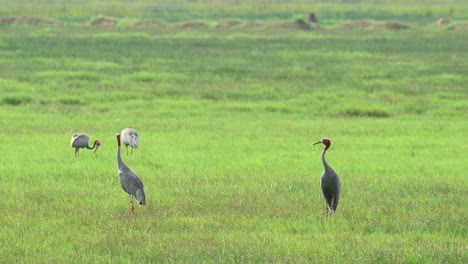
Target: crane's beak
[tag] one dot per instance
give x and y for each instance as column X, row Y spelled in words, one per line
column 97, row 146
column 318, row 142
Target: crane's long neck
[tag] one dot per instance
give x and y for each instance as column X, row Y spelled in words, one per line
column 120, row 163
column 88, row 147
column 325, row 164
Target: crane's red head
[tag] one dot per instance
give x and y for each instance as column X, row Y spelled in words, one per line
column 97, row 144
column 118, row 139
column 325, row 141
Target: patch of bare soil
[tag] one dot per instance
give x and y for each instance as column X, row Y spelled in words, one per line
column 459, row 27
column 29, row 20
column 227, row 23
column 370, row 25
column 395, row 26
column 192, row 24
column 102, row 22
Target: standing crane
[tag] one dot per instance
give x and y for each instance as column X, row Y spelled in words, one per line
column 329, row 181
column 130, row 182
column 130, row 138
column 81, row 141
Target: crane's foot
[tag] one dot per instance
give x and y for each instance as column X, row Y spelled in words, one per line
column 132, row 207
column 329, row 210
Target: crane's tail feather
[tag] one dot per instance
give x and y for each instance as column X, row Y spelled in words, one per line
column 134, row 141
column 334, row 204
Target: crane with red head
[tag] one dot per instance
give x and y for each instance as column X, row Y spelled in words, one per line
column 330, row 182
column 129, row 181
column 81, row 140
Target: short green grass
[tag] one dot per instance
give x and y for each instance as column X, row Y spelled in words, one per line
column 227, row 121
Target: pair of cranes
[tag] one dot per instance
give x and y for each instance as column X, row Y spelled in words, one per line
column 129, row 181
column 129, row 138
column 132, row 184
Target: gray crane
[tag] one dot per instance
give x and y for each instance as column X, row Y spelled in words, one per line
column 130, row 182
column 130, row 138
column 81, row 140
column 329, row 181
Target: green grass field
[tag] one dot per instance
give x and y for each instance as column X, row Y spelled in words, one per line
column 227, row 118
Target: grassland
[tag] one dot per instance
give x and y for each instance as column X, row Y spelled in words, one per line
column 227, row 118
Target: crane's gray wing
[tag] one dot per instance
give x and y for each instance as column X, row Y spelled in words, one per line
column 130, row 181
column 130, row 137
column 79, row 140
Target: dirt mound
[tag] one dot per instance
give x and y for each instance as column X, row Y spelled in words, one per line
column 102, row 22
column 459, row 27
column 29, row 20
column 395, row 26
column 442, row 22
column 229, row 23
column 192, row 24
column 369, row 25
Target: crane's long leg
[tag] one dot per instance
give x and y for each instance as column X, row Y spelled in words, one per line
column 331, row 206
column 132, row 208
column 76, row 152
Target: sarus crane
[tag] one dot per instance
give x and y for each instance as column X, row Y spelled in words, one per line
column 130, row 182
column 81, row 141
column 330, row 182
column 130, row 138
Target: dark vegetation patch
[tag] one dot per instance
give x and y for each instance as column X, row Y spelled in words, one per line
column 373, row 112
column 16, row 100
column 69, row 101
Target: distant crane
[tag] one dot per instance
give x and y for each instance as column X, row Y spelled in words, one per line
column 81, row 141
column 130, row 138
column 329, row 181
column 130, row 182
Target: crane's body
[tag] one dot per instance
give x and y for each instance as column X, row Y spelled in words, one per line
column 81, row 140
column 129, row 181
column 330, row 182
column 130, row 138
